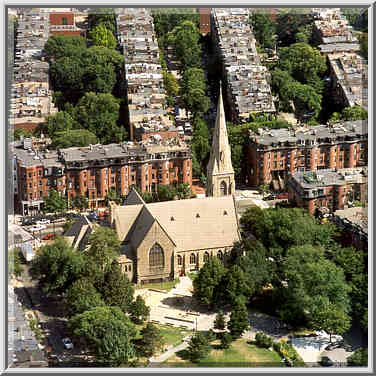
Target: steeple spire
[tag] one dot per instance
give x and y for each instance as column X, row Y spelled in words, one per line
column 220, row 174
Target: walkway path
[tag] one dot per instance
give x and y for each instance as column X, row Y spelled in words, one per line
column 162, row 357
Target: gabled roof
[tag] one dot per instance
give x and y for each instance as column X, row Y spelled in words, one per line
column 190, row 224
column 134, row 198
column 79, row 231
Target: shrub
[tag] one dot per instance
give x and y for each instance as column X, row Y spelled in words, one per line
column 288, row 352
column 262, row 340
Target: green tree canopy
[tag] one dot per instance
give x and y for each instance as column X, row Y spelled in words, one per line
column 220, row 322
column 80, row 202
column 99, row 114
column 102, row 16
column 207, row 281
column 60, row 122
column 165, row 192
column 359, row 358
column 263, row 28
column 101, row 36
column 75, row 137
column 199, row 347
column 139, row 310
column 354, row 113
column 56, row 266
column 239, row 321
column 54, row 203
column 104, row 247
column 82, row 296
column 117, row 290
column 108, row 333
column 185, row 40
column 150, row 342
column 288, row 23
column 58, row 46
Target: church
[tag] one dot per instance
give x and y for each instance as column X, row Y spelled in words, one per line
column 164, row 240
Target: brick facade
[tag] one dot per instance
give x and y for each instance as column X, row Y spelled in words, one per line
column 277, row 158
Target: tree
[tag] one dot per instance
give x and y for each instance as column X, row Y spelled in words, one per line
column 303, row 62
column 239, row 321
column 313, row 283
column 54, row 203
column 220, row 322
column 20, row 132
column 60, row 122
column 99, row 114
column 139, row 310
column 193, row 88
column 359, row 358
column 288, row 24
column 354, row 113
column 104, row 247
column 263, row 29
column 150, row 342
column 207, row 280
column 75, row 137
column 258, row 270
column 233, row 284
column 112, row 195
column 165, row 192
column 82, row 296
column 363, row 41
column 108, row 333
column 329, row 317
column 58, row 46
column 183, row 191
column 101, row 36
column 14, row 264
column 199, row 347
column 185, row 40
column 226, row 340
column 117, row 290
column 56, row 266
column 80, row 202
column 170, row 82
column 102, row 16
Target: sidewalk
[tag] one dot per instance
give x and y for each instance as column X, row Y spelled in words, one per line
column 162, row 357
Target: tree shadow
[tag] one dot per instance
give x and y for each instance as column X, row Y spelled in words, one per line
column 23, row 298
column 183, row 354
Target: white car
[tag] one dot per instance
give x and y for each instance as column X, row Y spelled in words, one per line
column 37, row 228
column 43, row 222
column 67, row 343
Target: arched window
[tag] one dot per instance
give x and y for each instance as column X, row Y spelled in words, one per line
column 180, row 260
column 206, row 257
column 192, row 259
column 125, row 268
column 156, row 257
column 223, row 188
column 220, row 255
column 129, row 268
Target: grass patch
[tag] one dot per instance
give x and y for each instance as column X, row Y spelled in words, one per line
column 168, row 285
column 240, row 354
column 192, row 276
column 171, row 335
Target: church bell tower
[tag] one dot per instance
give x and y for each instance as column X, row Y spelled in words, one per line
column 220, row 174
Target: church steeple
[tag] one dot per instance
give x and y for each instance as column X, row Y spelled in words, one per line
column 220, row 174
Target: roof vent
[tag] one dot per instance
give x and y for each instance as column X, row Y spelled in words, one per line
column 172, row 219
column 225, row 212
column 197, row 215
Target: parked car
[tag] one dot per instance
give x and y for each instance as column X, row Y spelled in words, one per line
column 283, row 196
column 67, row 343
column 43, row 221
column 37, row 228
column 48, row 236
column 270, row 197
column 28, row 222
column 326, row 361
column 332, row 346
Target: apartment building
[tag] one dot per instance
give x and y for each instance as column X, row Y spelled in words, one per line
column 328, row 190
column 353, row 223
column 204, row 21
column 64, row 23
column 274, row 154
column 92, row 171
column 348, row 70
column 31, row 99
column 246, row 80
column 145, row 92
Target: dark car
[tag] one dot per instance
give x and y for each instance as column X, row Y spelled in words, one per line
column 270, row 197
column 28, row 222
column 326, row 361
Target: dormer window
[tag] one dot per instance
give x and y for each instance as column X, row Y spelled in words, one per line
column 225, row 212
column 172, row 219
column 197, row 215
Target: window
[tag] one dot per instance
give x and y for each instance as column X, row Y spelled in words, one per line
column 125, row 268
column 132, row 178
column 220, row 255
column 112, row 180
column 206, row 257
column 129, row 268
column 180, row 260
column 39, row 172
column 156, row 257
column 40, row 194
column 40, row 182
column 30, row 175
column 275, row 164
column 64, row 21
column 192, row 258
column 223, row 188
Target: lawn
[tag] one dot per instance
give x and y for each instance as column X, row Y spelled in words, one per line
column 172, row 336
column 240, row 354
column 168, row 285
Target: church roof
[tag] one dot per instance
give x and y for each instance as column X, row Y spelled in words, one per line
column 191, row 224
column 134, row 198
